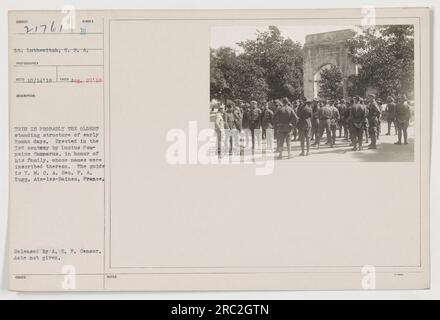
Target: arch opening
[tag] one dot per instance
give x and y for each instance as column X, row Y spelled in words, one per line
column 317, row 78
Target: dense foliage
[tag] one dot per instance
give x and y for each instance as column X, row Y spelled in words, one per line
column 268, row 67
column 385, row 55
column 330, row 84
column 271, row 66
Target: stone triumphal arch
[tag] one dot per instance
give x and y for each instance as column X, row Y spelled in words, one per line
column 322, row 50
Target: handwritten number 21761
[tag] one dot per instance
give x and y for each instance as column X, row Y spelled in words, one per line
column 43, row 28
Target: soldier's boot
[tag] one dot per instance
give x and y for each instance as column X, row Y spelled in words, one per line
column 317, row 142
column 399, row 137
column 354, row 144
column 372, row 145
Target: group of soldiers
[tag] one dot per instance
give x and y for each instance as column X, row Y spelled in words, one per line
column 307, row 120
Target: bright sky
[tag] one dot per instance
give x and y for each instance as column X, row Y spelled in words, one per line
column 229, row 36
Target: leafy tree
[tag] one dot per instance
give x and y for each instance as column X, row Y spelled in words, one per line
column 223, row 64
column 330, row 84
column 249, row 80
column 385, row 55
column 280, row 59
column 234, row 76
column 355, row 87
column 270, row 66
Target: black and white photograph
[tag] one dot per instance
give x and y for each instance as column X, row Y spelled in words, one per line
column 228, row 152
column 327, row 93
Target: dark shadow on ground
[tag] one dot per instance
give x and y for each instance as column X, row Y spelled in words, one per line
column 385, row 152
column 388, row 152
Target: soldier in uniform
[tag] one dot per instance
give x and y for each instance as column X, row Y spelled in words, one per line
column 239, row 105
column 276, row 105
column 305, row 114
column 284, row 120
column 391, row 115
column 403, row 115
column 219, row 128
column 295, row 132
column 325, row 115
column 349, row 121
column 335, row 121
column 231, row 123
column 342, row 108
column 379, row 119
column 373, row 120
column 292, row 105
column 358, row 116
column 245, row 122
column 315, row 120
column 266, row 120
column 366, row 126
column 238, row 115
column 254, row 117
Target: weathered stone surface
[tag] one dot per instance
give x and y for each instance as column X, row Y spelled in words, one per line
column 322, row 50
